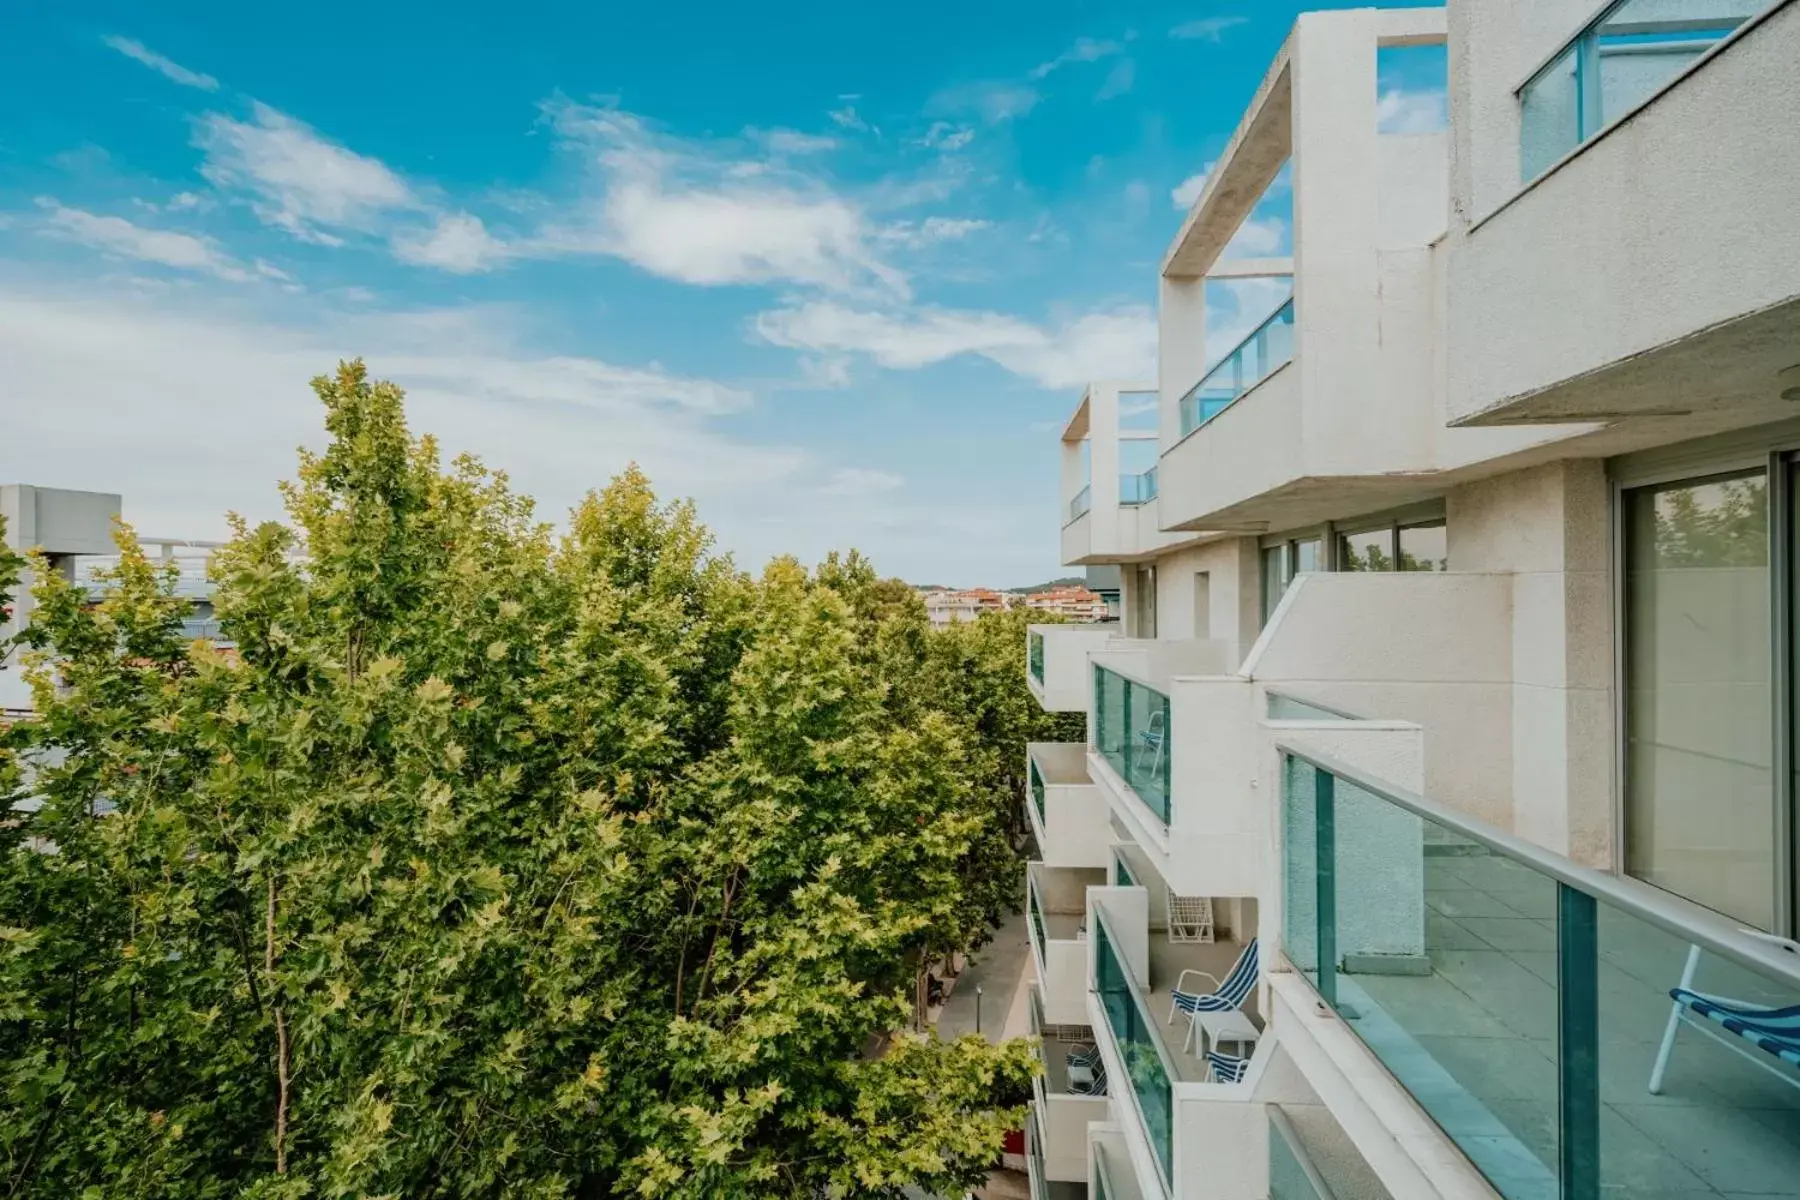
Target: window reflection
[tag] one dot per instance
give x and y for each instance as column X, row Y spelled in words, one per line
column 1699, row 795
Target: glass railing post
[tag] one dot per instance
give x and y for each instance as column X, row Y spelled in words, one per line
column 1578, row 1042
column 1325, row 906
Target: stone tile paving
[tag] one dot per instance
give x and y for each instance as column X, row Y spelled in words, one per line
column 1476, row 1042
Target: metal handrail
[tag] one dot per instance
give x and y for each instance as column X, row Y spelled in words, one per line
column 1279, row 1120
column 1664, row 910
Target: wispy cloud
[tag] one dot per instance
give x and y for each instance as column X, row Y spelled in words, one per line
column 847, row 118
column 1118, row 80
column 1084, row 50
column 1207, row 29
column 861, row 481
column 791, row 141
column 167, row 67
column 1106, row 344
column 1400, row 110
column 947, row 137
column 116, row 235
column 993, row 100
column 297, row 179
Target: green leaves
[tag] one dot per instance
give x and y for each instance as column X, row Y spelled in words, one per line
column 491, row 863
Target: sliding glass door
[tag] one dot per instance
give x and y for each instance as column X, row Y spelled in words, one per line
column 1705, row 813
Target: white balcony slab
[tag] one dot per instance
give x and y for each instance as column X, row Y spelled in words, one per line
column 1071, row 827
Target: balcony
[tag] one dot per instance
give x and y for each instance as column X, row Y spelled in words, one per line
column 1056, row 662
column 1109, row 478
column 1525, row 1002
column 1268, row 348
column 1176, row 1114
column 1621, row 280
column 1062, row 1114
column 1068, row 816
column 1112, row 1177
column 1056, row 917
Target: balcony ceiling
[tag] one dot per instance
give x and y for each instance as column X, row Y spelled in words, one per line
column 1726, row 377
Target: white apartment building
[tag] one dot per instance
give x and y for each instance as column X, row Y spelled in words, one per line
column 1453, row 712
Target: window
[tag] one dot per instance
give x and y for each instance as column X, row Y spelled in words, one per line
column 1202, row 604
column 1144, row 602
column 1275, row 577
column 1702, row 818
column 1425, row 547
column 1417, row 546
column 1614, row 65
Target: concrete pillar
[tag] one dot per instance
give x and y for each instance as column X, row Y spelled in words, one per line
column 1180, row 349
column 1336, row 181
column 1548, row 527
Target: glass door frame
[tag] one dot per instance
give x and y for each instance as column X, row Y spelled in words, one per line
column 1777, row 457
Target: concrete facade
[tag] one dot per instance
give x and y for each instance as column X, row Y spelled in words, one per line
column 1498, row 360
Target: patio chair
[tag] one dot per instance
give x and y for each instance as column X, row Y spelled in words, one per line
column 1087, row 1071
column 1735, row 1024
column 1151, row 751
column 1226, row 1068
column 1218, row 1012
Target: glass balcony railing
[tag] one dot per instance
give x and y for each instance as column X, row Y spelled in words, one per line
column 1122, row 876
column 1131, row 732
column 1037, row 791
column 1134, row 1032
column 1270, row 345
column 1292, row 1175
column 1138, row 489
column 1034, row 655
column 1084, row 500
column 1576, row 1034
column 1612, row 66
column 1034, row 918
column 1283, row 707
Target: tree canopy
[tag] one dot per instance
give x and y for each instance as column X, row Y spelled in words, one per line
column 496, row 862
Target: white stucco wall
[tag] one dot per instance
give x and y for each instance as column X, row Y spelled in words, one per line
column 1230, row 566
column 1548, row 528
column 1671, row 222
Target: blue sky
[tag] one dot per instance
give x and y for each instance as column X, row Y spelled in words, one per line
column 837, row 273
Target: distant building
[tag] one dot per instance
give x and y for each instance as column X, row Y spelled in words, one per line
column 1075, row 602
column 947, row 606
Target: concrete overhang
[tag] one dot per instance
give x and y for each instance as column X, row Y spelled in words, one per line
column 1732, row 375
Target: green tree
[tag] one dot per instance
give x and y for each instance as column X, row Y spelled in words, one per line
column 488, row 863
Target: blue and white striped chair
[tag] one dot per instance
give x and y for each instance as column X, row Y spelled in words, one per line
column 1220, row 1011
column 1226, row 1068
column 1734, row 1024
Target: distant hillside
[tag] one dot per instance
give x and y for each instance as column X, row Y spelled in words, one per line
column 1066, row 581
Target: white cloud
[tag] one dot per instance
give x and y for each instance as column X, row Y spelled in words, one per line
column 825, row 372
column 1118, row 80
column 792, row 141
column 298, row 180
column 115, row 235
column 459, row 243
column 1188, row 190
column 1109, row 344
column 85, row 358
column 700, row 213
column 1258, row 237
column 947, row 137
column 933, row 230
column 1083, row 50
column 846, row 118
column 1399, row 110
column 166, row 66
column 861, row 481
column 994, row 100
column 1207, row 29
